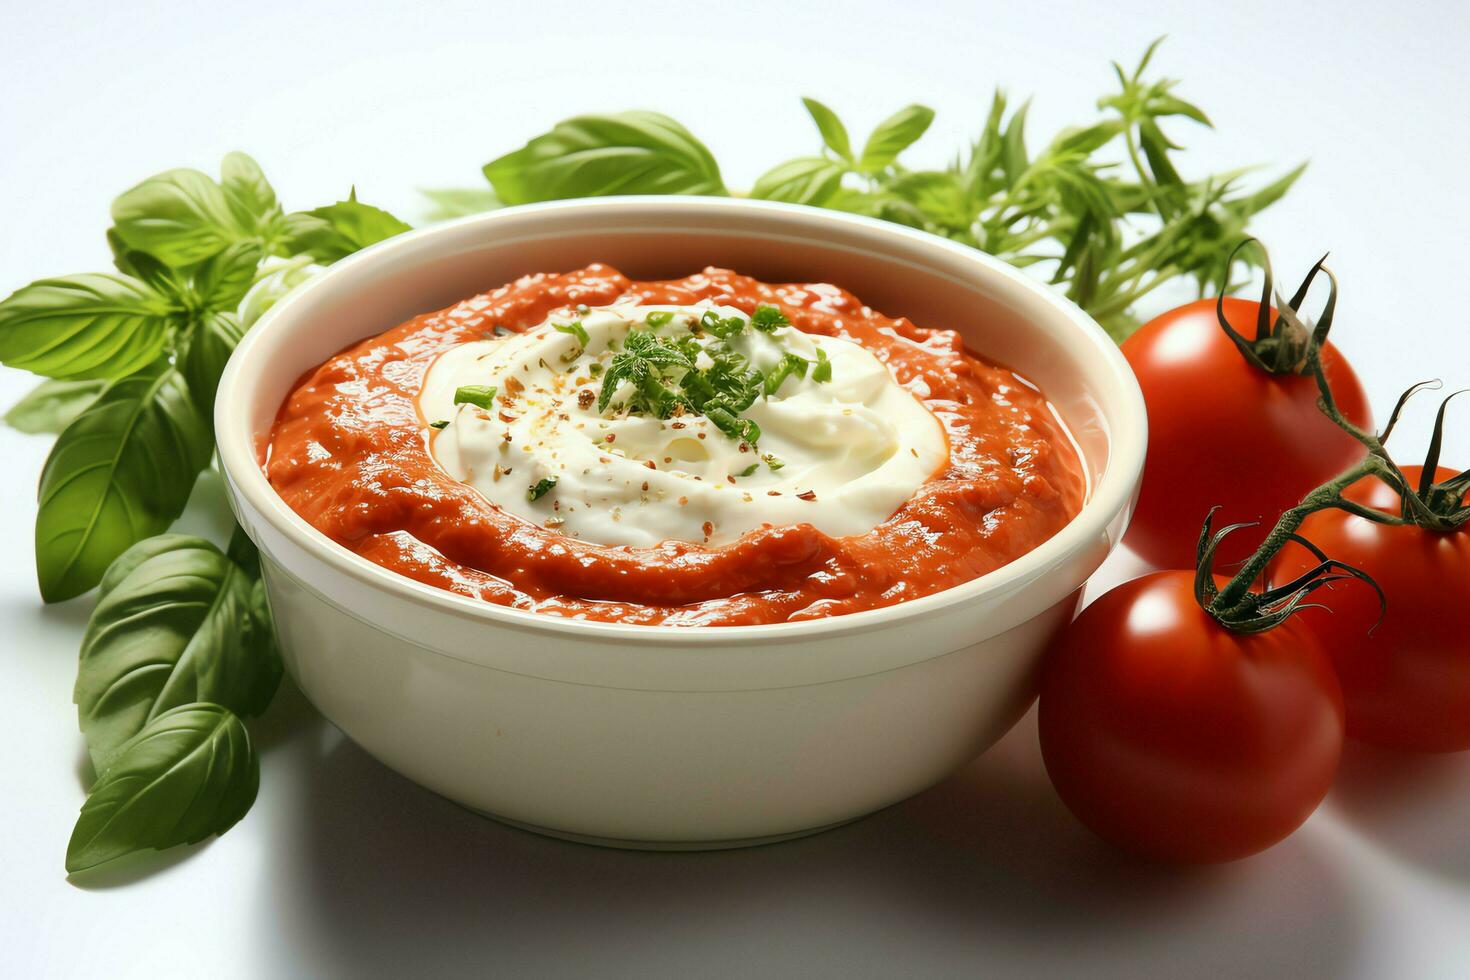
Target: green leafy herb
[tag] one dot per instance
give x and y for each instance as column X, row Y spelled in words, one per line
column 179, row 623
column 576, row 329
column 788, row 365
column 768, row 318
column 191, row 772
column 822, row 373
column 834, row 134
column 773, row 463
column 894, row 135
column 138, row 355
column 595, row 156
column 93, row 325
column 541, row 488
column 51, row 405
column 805, row 180
column 440, row 424
column 481, row 395
column 458, row 202
column 749, row 470
column 723, row 327
column 180, row 217
column 122, row 470
column 210, row 343
column 1102, row 209
column 337, row 230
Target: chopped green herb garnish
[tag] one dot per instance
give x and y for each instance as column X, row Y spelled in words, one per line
column 732, row 425
column 481, row 395
column 788, row 365
column 659, row 318
column 673, row 375
column 774, row 462
column 594, row 369
column 750, row 469
column 541, row 488
column 576, row 329
column 722, row 327
column 823, row 370
column 442, row 423
column 768, row 318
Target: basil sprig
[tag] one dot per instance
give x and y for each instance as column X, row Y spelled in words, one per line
column 192, row 255
column 180, row 646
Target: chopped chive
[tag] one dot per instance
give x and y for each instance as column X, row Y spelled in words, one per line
column 773, row 461
column 439, row 424
column 750, row 469
column 594, row 369
column 788, row 365
column 481, row 395
column 823, row 370
column 541, row 489
column 576, row 329
column 658, row 318
column 768, row 318
column 722, row 327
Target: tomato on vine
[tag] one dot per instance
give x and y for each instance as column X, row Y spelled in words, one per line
column 1406, row 682
column 1187, row 731
column 1233, row 419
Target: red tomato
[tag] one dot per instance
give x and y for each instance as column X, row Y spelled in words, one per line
column 1224, row 432
column 1407, row 683
column 1173, row 737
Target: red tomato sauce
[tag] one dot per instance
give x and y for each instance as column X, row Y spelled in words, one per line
column 349, row 453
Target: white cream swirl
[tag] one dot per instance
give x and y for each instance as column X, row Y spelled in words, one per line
column 841, row 455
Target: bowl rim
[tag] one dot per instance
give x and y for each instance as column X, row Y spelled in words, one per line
column 1111, row 494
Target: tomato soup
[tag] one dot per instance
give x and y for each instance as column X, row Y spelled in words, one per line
column 708, row 451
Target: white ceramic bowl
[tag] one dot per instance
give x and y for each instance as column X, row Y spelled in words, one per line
column 676, row 736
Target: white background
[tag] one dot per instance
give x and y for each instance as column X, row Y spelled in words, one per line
column 345, row 869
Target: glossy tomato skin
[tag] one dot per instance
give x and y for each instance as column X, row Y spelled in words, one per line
column 1222, row 431
column 1407, row 682
column 1174, row 738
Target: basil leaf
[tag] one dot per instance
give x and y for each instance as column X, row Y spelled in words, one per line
column 894, row 135
column 805, row 180
column 337, row 230
column 220, row 282
column 210, row 342
column 593, row 156
column 190, row 773
column 93, row 325
column 251, row 198
column 180, row 217
column 834, row 134
column 124, row 564
column 180, row 625
column 456, row 202
column 121, row 471
column 49, row 406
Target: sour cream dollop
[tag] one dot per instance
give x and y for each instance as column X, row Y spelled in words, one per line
column 841, row 455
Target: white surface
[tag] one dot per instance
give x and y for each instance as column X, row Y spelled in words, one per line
column 344, row 869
